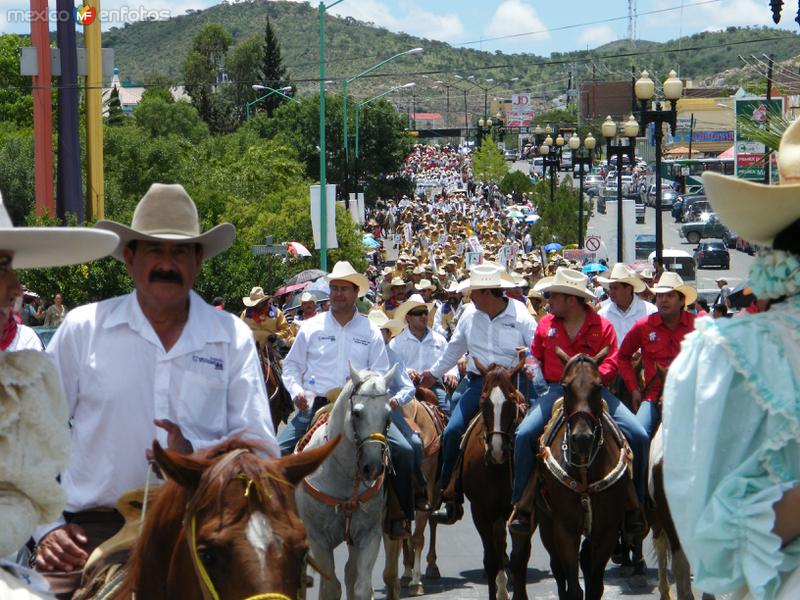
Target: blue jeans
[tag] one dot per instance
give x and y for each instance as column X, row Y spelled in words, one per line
column 649, row 416
column 457, row 393
column 294, row 430
column 526, row 443
column 402, row 454
column 441, row 398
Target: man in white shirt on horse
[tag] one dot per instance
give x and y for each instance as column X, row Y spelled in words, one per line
column 624, row 306
column 158, row 363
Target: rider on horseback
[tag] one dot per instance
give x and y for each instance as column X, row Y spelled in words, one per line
column 266, row 320
column 624, row 306
column 659, row 338
column 574, row 327
column 492, row 329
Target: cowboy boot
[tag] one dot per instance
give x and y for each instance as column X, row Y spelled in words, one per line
column 524, row 514
column 453, row 507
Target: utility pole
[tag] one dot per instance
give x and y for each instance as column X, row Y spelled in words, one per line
column 768, row 154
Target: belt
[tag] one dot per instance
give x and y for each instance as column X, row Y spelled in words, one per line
column 94, row 515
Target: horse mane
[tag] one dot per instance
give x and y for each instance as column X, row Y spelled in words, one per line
column 163, row 526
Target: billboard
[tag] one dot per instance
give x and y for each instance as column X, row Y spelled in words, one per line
column 521, row 111
column 748, row 153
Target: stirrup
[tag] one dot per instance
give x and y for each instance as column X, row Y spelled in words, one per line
column 450, row 513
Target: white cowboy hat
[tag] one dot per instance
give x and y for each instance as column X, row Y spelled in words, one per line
column 307, row 297
column 565, row 281
column 344, row 271
column 397, row 282
column 622, row 273
column 424, row 284
column 415, row 301
column 671, row 281
column 256, row 297
column 453, row 288
column 36, row 247
column 758, row 212
column 166, row 213
column 381, row 321
column 486, row 276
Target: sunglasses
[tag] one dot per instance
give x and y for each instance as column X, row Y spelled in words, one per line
column 418, row 313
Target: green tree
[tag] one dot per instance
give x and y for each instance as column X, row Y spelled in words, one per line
column 202, row 65
column 243, row 65
column 16, row 102
column 17, row 171
column 161, row 118
column 516, row 183
column 115, row 115
column 559, row 217
column 157, row 86
column 273, row 72
column 488, row 163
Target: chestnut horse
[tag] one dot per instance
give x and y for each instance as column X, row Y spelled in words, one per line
column 223, row 526
column 487, row 476
column 585, row 481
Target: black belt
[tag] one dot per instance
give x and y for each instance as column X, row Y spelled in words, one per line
column 96, row 515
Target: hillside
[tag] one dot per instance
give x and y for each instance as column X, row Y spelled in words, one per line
column 158, row 47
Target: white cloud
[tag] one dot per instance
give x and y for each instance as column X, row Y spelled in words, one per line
column 514, row 17
column 717, row 15
column 412, row 19
column 597, row 36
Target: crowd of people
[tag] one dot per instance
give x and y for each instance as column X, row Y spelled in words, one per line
column 466, row 289
column 448, row 167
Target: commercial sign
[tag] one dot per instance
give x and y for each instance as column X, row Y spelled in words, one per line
column 521, row 111
column 684, row 136
column 749, row 153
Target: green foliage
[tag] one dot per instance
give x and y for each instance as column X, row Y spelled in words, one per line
column 243, row 65
column 201, row 67
column 559, row 217
column 771, row 136
column 488, row 163
column 16, row 171
column 16, row 102
column 115, row 115
column 161, row 118
column 157, row 87
column 273, row 72
column 516, row 183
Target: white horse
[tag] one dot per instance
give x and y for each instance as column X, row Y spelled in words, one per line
column 344, row 500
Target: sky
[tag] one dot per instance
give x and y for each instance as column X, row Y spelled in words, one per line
column 509, row 26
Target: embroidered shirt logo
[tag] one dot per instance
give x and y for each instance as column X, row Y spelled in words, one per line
column 327, row 338
column 652, row 336
column 360, row 341
column 217, row 363
column 552, row 332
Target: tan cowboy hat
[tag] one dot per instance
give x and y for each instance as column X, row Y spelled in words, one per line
column 415, row 301
column 487, row 276
column 671, row 281
column 307, row 297
column 167, row 213
column 256, row 297
column 622, row 273
column 381, row 321
column 758, row 212
column 565, row 281
column 397, row 282
column 344, row 271
column 36, row 247
column 453, row 288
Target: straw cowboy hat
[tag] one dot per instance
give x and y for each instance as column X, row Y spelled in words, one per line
column 307, row 297
column 36, row 247
column 622, row 273
column 565, row 281
column 344, row 271
column 256, row 297
column 424, row 284
column 381, row 321
column 166, row 213
column 672, row 282
column 415, row 301
column 487, row 276
column 756, row 211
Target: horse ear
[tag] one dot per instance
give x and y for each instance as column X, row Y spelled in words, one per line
column 354, row 377
column 598, row 358
column 563, row 356
column 479, row 365
column 389, row 377
column 298, row 466
column 521, row 354
column 180, row 468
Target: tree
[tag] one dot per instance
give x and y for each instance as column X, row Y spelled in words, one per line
column 157, row 86
column 488, row 163
column 115, row 115
column 273, row 72
column 17, row 171
column 243, row 65
column 516, row 183
column 16, row 102
column 202, row 65
column 161, row 118
column 559, row 217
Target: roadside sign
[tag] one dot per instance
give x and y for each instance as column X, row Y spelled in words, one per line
column 269, row 248
column 749, row 154
column 592, row 243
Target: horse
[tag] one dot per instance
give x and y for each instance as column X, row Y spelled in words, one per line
column 584, row 482
column 280, row 400
column 486, row 477
column 223, row 526
column 423, row 411
column 344, row 500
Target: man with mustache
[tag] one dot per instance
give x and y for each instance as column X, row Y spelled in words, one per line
column 159, row 363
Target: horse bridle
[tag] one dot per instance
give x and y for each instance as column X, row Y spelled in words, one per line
column 597, row 439
column 190, row 527
column 373, row 438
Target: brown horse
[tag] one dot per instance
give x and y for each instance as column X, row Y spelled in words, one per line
column 280, row 400
column 223, row 526
column 487, row 476
column 585, row 484
column 424, row 413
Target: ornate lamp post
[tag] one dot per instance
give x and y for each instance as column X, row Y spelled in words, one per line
column 551, row 158
column 644, row 89
column 630, row 130
column 484, row 128
column 581, row 156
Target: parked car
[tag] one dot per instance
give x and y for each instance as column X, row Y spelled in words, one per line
column 712, row 253
column 730, row 237
column 694, row 189
column 679, row 261
column 644, row 244
column 667, row 198
column 711, row 227
column 694, row 211
column 537, row 166
column 510, row 155
column 592, row 184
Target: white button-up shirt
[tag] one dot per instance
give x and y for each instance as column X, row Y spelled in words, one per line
column 118, row 378
column 26, row 339
column 324, row 350
column 419, row 355
column 623, row 321
column 490, row 340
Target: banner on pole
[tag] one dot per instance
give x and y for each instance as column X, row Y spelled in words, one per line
column 749, row 154
column 330, row 197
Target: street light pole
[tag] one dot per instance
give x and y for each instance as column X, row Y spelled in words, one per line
column 630, row 130
column 645, row 89
column 279, row 92
column 589, row 145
